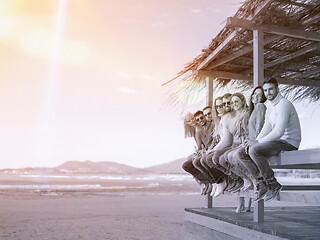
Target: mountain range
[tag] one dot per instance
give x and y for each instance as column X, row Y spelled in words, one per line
column 106, row 167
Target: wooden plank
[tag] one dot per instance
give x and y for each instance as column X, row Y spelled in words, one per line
column 289, row 32
column 301, row 188
column 227, row 228
column 305, row 197
column 209, row 201
column 240, row 53
column 222, row 74
column 209, row 89
column 225, row 43
column 258, row 60
column 259, row 9
column 258, row 211
column 300, row 157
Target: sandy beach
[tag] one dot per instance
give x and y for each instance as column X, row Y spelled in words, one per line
column 149, row 207
column 85, row 216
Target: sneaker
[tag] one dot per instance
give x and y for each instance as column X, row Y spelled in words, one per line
column 238, row 186
column 231, row 183
column 247, row 185
column 240, row 208
column 209, row 189
column 219, row 190
column 204, row 188
column 213, row 190
column 261, row 191
column 273, row 191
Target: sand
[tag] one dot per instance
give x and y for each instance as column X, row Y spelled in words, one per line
column 146, row 213
column 94, row 216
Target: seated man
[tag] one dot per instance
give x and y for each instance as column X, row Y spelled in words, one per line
column 203, row 139
column 280, row 132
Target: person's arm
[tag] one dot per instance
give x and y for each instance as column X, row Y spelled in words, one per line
column 198, row 140
column 260, row 109
column 226, row 140
column 281, row 123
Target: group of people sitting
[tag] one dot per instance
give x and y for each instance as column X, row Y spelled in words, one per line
column 235, row 139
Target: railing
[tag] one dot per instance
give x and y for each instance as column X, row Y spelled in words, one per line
column 300, row 159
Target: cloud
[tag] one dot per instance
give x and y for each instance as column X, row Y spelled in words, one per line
column 196, row 10
column 165, row 14
column 158, row 24
column 146, row 77
column 125, row 75
column 126, row 90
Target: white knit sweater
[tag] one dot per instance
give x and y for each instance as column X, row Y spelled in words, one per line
column 281, row 122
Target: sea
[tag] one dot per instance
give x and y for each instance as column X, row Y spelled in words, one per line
column 106, row 184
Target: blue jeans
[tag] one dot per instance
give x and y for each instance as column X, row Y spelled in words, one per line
column 189, row 167
column 261, row 152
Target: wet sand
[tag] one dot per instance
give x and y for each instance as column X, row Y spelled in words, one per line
column 98, row 216
column 141, row 209
column 94, row 216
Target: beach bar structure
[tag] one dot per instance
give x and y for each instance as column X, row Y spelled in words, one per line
column 265, row 38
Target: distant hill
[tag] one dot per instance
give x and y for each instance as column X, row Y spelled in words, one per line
column 170, row 167
column 106, row 167
column 96, row 167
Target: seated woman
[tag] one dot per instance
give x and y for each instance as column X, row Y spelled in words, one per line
column 216, row 176
column 257, row 111
column 236, row 131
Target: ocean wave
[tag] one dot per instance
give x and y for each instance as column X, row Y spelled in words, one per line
column 47, row 187
column 150, row 177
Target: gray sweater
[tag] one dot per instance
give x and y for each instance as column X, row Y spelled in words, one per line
column 281, row 122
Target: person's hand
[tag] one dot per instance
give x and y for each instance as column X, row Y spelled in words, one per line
column 248, row 144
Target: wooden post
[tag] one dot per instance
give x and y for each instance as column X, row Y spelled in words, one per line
column 209, row 102
column 209, row 88
column 258, row 78
column 258, row 61
column 258, row 211
column 209, row 205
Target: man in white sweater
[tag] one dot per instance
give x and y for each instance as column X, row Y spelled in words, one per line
column 280, row 132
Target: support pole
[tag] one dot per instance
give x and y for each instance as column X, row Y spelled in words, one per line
column 258, row 61
column 209, row 102
column 209, row 89
column 258, row 78
column 209, row 202
column 258, row 211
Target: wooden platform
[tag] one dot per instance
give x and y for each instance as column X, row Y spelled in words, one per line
column 301, row 223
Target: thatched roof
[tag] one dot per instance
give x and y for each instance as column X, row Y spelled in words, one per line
column 291, row 49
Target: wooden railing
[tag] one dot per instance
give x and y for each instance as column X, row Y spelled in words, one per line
column 300, row 159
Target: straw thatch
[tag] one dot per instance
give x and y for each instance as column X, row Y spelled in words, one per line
column 292, row 60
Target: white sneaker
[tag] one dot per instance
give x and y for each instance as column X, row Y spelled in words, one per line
column 220, row 188
column 214, row 188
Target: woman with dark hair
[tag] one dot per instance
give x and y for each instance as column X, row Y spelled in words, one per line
column 257, row 111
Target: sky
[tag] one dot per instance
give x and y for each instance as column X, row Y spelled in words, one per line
column 81, row 79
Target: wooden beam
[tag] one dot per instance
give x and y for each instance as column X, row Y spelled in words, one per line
column 289, row 32
column 225, row 75
column 258, row 211
column 239, row 53
column 209, row 91
column 306, row 156
column 260, row 8
column 289, row 57
column 258, row 60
